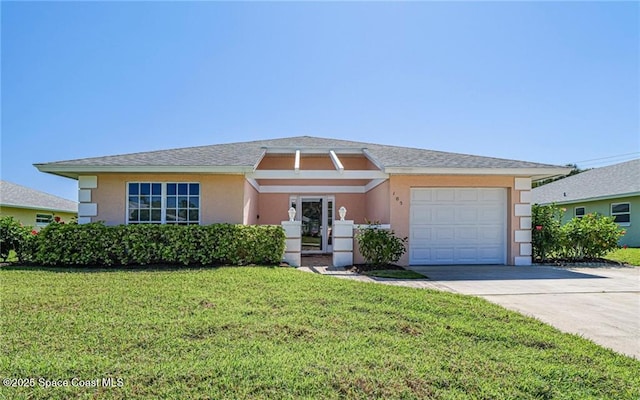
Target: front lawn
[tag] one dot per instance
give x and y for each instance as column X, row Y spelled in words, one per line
column 281, row 333
column 629, row 256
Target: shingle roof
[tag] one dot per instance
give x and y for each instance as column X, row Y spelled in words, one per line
column 248, row 154
column 13, row 195
column 606, row 182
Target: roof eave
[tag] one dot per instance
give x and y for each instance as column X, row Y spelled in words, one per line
column 37, row 208
column 595, row 198
column 73, row 171
column 534, row 173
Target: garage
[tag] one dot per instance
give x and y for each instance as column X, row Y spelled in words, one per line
column 458, row 226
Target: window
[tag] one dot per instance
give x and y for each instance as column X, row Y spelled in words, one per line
column 160, row 203
column 145, row 203
column 43, row 219
column 621, row 213
column 183, row 203
column 579, row 212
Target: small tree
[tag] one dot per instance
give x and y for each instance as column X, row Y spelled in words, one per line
column 380, row 246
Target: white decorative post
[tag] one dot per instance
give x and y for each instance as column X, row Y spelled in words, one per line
column 342, row 240
column 293, row 241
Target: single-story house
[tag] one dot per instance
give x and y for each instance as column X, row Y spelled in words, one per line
column 612, row 191
column 32, row 207
column 454, row 208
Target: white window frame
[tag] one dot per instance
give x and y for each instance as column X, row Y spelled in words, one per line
column 575, row 212
column 621, row 213
column 163, row 206
column 42, row 224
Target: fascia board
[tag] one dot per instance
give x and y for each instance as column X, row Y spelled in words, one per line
column 528, row 172
column 36, row 208
column 84, row 169
column 596, row 198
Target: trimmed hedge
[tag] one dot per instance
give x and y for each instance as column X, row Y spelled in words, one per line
column 98, row 245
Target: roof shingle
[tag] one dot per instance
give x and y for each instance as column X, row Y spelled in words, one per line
column 15, row 195
column 247, row 154
column 605, row 182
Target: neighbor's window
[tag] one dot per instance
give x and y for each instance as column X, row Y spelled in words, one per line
column 579, row 212
column 159, row 203
column 621, row 213
column 43, row 219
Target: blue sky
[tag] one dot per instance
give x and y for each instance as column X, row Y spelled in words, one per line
column 548, row 82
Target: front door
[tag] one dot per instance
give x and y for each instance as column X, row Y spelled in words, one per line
column 312, row 227
column 316, row 214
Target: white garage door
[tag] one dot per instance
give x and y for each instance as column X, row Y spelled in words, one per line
column 458, row 226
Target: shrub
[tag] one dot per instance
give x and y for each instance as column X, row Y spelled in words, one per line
column 98, row 245
column 590, row 237
column 380, row 246
column 546, row 236
column 14, row 236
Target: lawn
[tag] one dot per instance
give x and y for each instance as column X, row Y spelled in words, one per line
column 281, row 333
column 629, row 256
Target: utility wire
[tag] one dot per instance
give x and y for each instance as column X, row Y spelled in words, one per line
column 607, row 160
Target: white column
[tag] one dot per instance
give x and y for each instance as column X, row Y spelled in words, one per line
column 342, row 243
column 293, row 242
column 522, row 210
column 86, row 209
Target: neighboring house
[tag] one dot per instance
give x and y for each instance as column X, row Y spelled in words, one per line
column 611, row 191
column 454, row 208
column 33, row 207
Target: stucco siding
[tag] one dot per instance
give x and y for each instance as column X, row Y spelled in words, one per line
column 603, row 207
column 400, row 186
column 314, row 162
column 251, row 205
column 377, row 203
column 221, row 196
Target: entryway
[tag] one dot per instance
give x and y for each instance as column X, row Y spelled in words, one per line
column 316, row 214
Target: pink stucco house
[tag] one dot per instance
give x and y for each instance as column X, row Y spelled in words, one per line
column 454, row 208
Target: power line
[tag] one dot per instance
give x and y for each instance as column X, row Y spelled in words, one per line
column 603, row 161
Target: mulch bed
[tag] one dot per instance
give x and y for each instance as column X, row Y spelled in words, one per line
column 592, row 262
column 360, row 268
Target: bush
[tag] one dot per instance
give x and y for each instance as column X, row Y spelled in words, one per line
column 14, row 236
column 380, row 246
column 98, row 245
column 589, row 237
column 546, row 236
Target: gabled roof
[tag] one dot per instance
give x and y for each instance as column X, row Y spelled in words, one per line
column 13, row 195
column 617, row 180
column 243, row 157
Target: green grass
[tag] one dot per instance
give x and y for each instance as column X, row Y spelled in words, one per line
column 395, row 274
column 629, row 256
column 281, row 333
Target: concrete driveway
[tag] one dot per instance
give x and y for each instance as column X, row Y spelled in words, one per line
column 601, row 304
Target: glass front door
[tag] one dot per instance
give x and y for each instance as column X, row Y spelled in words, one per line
column 312, row 227
column 316, row 215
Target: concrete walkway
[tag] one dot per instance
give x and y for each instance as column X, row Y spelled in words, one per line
column 601, row 304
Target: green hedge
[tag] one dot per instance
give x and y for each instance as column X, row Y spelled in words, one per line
column 585, row 238
column 98, row 245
